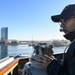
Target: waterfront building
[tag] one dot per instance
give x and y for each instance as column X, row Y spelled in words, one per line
column 4, row 34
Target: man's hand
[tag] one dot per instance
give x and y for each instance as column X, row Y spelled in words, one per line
column 46, row 60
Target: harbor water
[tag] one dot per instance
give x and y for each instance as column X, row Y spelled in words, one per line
column 13, row 50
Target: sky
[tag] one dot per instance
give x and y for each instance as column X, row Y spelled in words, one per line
column 31, row 19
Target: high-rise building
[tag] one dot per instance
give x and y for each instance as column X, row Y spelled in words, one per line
column 4, row 34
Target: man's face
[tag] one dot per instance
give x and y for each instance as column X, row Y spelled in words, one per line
column 68, row 24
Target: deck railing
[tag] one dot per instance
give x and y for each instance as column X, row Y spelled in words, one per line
column 10, row 69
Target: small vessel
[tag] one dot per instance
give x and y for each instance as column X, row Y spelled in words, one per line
column 11, row 66
column 15, row 65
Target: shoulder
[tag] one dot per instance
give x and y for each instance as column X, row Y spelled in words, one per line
column 72, row 45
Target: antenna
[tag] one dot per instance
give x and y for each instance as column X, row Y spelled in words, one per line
column 32, row 40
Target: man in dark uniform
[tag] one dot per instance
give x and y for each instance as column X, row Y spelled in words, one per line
column 67, row 23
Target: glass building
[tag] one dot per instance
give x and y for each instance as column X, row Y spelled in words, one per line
column 4, row 34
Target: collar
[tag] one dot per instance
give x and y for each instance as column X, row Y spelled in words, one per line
column 70, row 36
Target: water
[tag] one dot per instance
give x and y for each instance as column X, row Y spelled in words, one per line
column 6, row 50
column 59, row 49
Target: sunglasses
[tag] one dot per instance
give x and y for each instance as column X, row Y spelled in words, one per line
column 63, row 21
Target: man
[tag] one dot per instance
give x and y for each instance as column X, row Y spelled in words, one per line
column 67, row 20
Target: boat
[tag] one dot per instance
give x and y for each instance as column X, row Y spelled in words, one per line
column 15, row 65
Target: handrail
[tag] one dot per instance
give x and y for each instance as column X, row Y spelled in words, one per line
column 5, row 61
column 8, row 68
column 13, row 66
